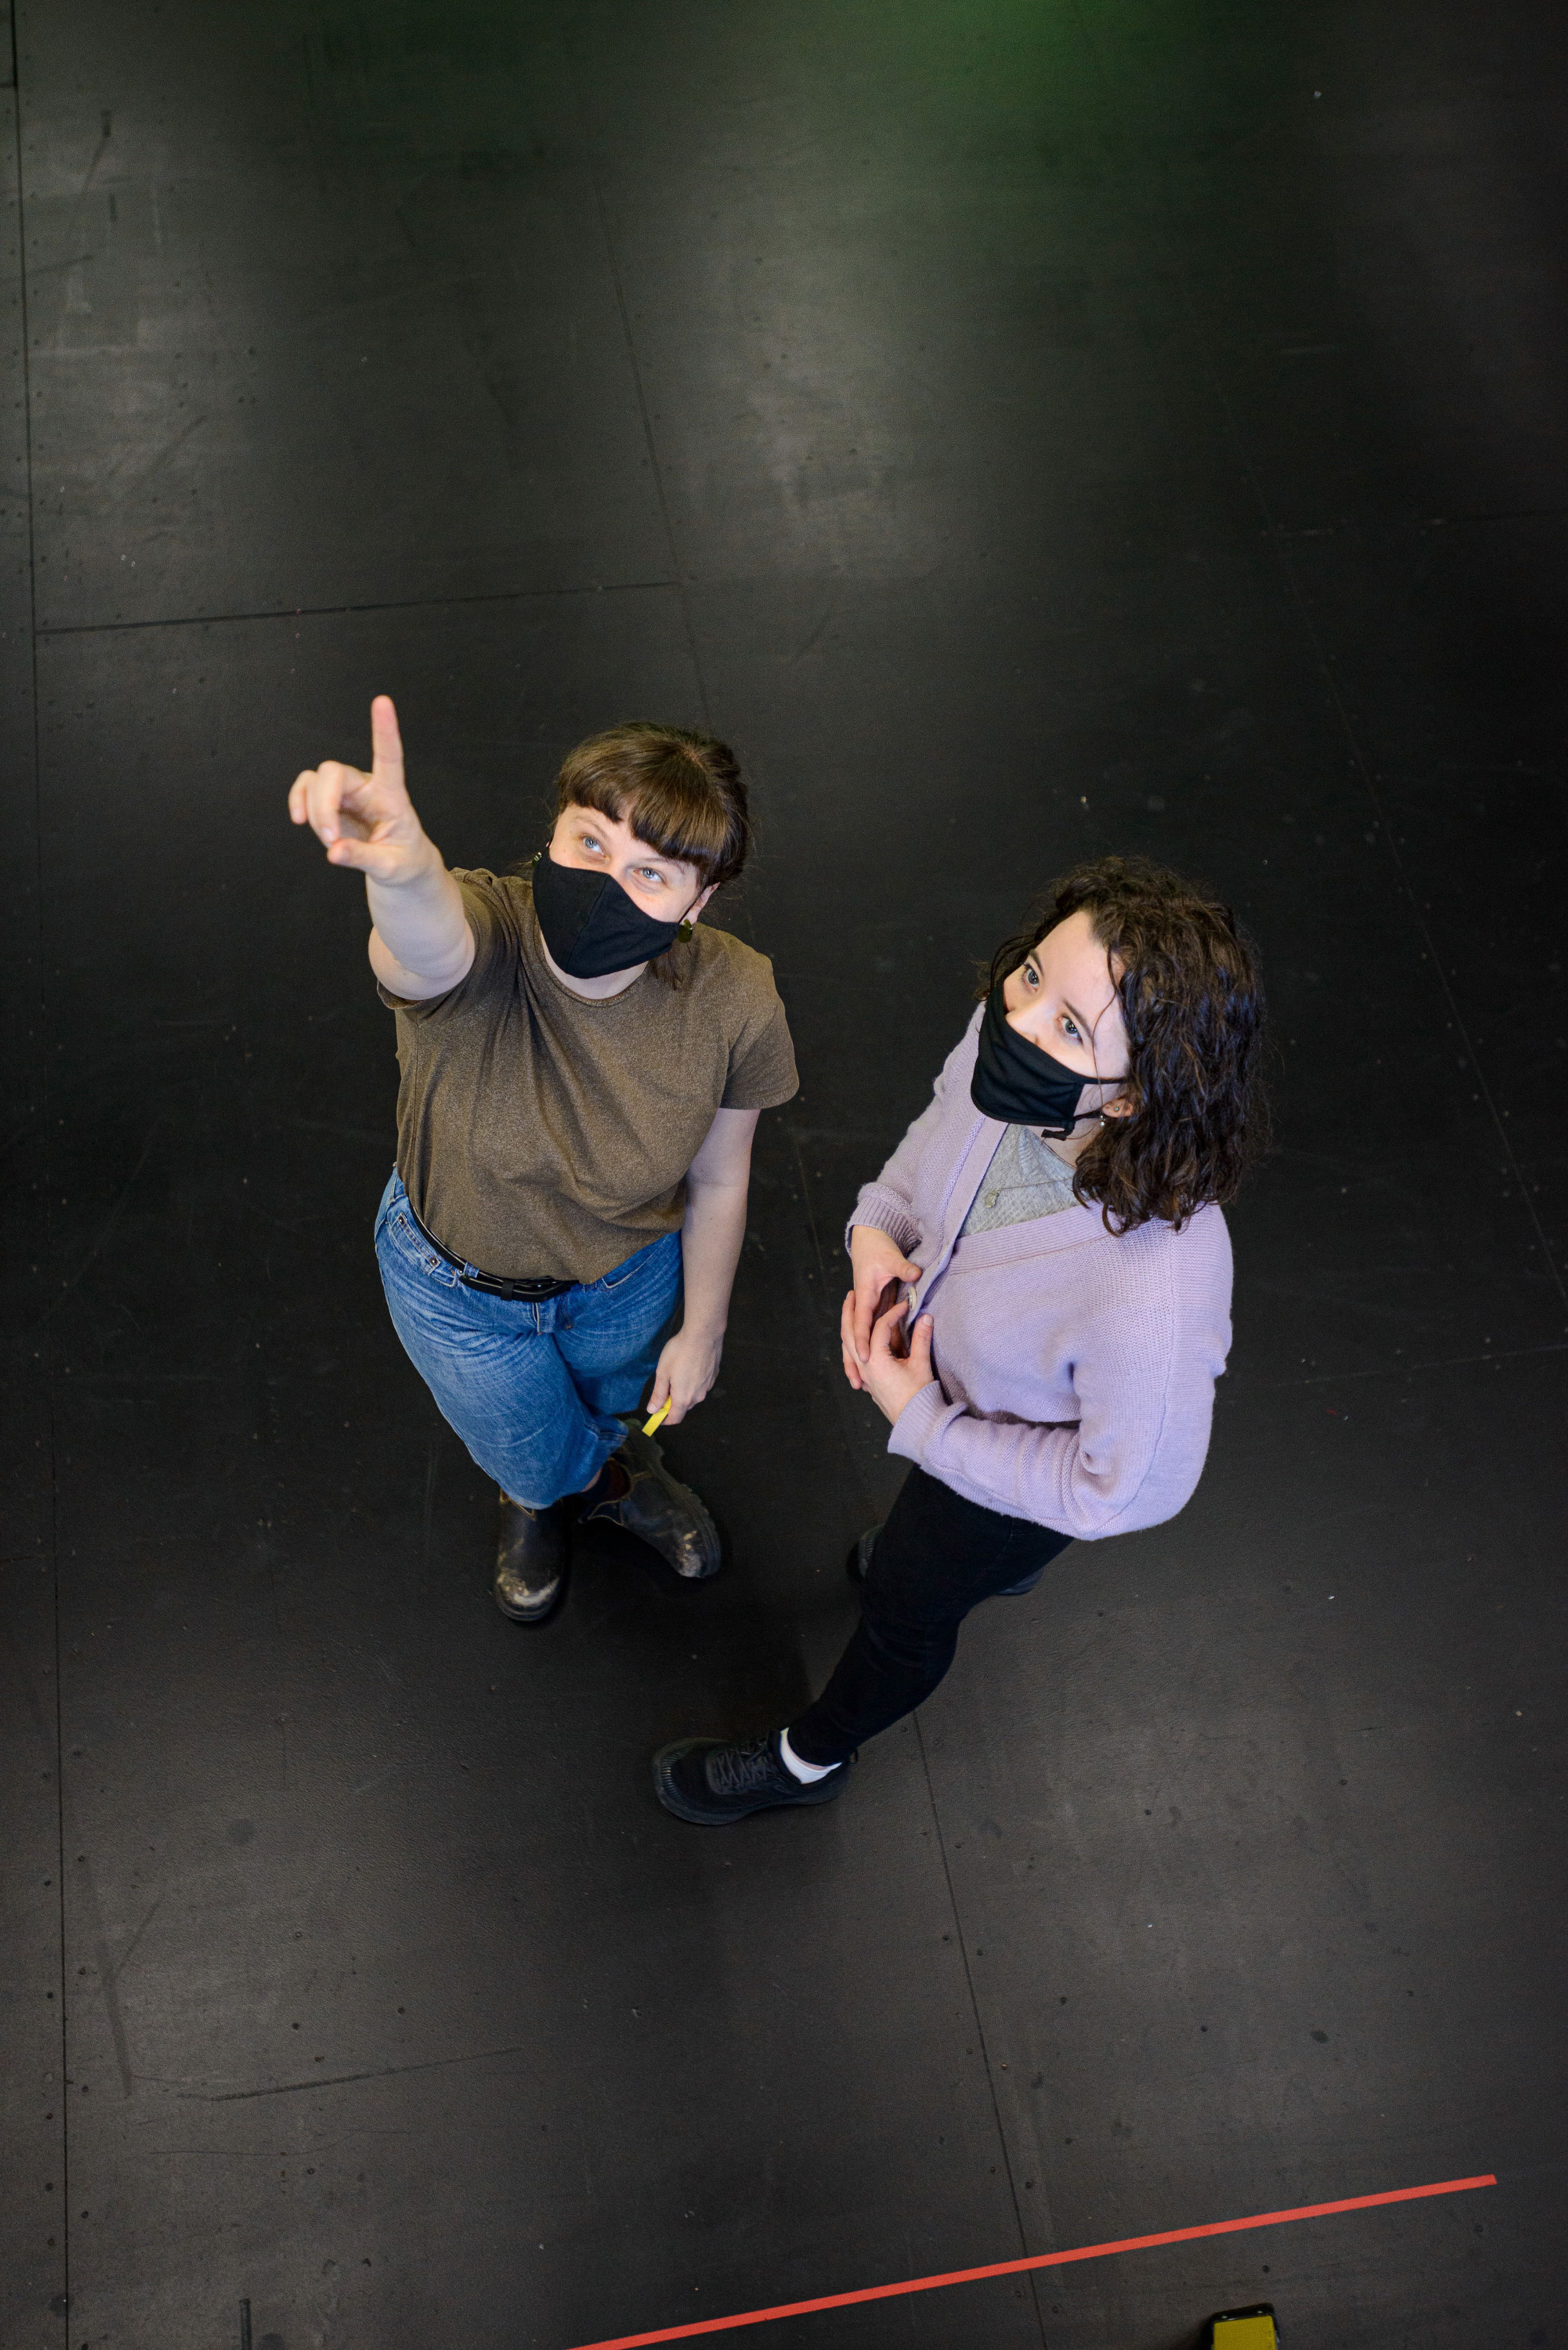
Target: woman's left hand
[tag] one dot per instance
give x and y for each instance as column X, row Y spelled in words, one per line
column 687, row 1369
column 894, row 1379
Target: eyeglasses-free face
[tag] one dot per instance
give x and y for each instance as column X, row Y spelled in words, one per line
column 1063, row 998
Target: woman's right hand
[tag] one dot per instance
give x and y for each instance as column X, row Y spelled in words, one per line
column 880, row 1263
column 366, row 821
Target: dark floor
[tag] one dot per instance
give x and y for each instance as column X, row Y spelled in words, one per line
column 1026, row 431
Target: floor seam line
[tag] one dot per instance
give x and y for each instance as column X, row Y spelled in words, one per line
column 636, row 366
column 978, row 2023
column 332, row 611
column 1279, row 542
column 41, row 1085
column 1363, row 768
column 1404, row 1371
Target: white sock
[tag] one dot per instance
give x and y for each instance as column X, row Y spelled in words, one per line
column 806, row 1772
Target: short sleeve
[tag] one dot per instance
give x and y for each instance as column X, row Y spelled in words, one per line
column 493, row 917
column 762, row 1065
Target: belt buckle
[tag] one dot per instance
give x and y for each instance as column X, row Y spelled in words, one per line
column 516, row 1293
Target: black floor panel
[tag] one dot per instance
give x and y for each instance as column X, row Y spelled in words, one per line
column 1025, row 433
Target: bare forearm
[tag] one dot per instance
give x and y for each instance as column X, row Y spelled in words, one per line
column 422, row 943
column 710, row 1240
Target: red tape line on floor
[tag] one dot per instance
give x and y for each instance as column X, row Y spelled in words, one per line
column 1039, row 2261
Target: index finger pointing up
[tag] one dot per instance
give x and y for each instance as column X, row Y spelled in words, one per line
column 386, row 742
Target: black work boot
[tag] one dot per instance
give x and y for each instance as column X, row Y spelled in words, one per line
column 710, row 1784
column 659, row 1510
column 530, row 1560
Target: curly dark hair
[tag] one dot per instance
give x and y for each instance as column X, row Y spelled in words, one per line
column 1192, row 1005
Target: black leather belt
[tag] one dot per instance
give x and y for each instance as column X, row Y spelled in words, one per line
column 528, row 1293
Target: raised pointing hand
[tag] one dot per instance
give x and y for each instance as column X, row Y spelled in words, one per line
column 365, row 821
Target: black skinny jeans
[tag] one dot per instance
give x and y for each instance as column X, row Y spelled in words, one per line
column 937, row 1557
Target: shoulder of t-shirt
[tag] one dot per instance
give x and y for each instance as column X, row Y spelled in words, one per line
column 723, row 959
column 495, row 905
column 498, row 906
column 508, row 893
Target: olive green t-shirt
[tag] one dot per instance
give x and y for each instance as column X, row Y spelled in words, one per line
column 544, row 1137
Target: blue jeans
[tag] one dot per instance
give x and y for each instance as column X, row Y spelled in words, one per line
column 533, row 1391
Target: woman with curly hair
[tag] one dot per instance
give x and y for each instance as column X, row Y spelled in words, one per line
column 1049, row 1235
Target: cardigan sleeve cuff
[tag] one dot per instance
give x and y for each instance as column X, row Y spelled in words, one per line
column 925, row 1411
column 884, row 1211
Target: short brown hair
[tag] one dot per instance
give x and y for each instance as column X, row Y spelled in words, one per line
column 1192, row 1006
column 679, row 790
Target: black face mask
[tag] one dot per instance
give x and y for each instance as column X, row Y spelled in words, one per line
column 1020, row 1083
column 589, row 923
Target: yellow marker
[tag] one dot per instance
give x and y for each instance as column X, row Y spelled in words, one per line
column 1249, row 2331
column 649, row 1426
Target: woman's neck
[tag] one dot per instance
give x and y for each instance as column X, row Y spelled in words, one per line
column 594, row 990
column 1070, row 1147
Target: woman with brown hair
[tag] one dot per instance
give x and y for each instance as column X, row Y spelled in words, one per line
column 583, row 1064
column 1050, row 1232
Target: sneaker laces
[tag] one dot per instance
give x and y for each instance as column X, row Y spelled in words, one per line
column 740, row 1770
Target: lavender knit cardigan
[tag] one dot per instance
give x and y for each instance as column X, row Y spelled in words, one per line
column 1074, row 1371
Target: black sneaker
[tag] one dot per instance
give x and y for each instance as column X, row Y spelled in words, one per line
column 530, row 1560
column 703, row 1780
